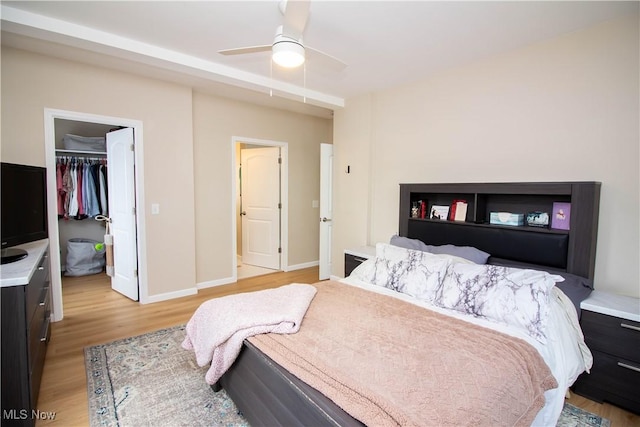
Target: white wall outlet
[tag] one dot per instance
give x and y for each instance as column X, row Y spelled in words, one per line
column 155, row 208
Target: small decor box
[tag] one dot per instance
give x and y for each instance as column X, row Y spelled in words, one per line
column 458, row 211
column 561, row 216
column 506, row 218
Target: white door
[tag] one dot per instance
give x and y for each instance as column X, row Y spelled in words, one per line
column 326, row 209
column 120, row 173
column 260, row 206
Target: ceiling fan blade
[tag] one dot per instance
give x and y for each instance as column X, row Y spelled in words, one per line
column 248, row 49
column 334, row 62
column 296, row 13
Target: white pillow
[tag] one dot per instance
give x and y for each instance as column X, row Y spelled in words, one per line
column 512, row 296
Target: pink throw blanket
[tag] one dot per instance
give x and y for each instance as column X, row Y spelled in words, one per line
column 390, row 363
column 219, row 326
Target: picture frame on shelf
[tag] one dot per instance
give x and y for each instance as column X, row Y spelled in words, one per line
column 538, row 219
column 561, row 216
column 439, row 212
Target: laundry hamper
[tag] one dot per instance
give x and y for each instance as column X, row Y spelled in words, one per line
column 84, row 257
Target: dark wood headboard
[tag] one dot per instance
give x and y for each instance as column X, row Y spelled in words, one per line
column 572, row 250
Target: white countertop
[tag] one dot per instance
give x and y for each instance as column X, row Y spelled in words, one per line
column 20, row 272
column 362, row 251
column 620, row 306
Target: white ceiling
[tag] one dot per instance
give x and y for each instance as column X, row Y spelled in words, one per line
column 383, row 43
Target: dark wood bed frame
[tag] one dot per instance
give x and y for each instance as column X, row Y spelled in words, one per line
column 268, row 395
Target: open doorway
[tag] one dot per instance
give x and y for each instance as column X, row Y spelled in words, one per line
column 57, row 123
column 260, row 201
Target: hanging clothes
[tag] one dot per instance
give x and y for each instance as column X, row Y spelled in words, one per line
column 103, row 190
column 82, row 187
column 67, row 188
column 73, row 197
column 92, row 198
column 60, row 167
column 80, row 194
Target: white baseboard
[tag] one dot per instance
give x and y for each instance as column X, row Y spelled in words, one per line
column 169, row 295
column 211, row 284
column 219, row 282
column 303, row 265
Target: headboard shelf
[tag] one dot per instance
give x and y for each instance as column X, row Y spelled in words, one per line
column 570, row 250
column 523, row 228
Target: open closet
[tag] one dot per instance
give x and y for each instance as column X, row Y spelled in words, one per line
column 95, row 185
column 80, row 171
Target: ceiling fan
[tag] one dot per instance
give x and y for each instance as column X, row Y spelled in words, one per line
column 287, row 48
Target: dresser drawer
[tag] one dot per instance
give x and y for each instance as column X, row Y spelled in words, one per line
column 613, row 379
column 34, row 333
column 39, row 338
column 34, row 289
column 620, row 376
column 611, row 335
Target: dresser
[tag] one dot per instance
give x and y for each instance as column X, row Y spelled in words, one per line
column 611, row 326
column 355, row 256
column 26, row 312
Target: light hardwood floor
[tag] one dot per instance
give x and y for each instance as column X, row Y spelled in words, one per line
column 94, row 314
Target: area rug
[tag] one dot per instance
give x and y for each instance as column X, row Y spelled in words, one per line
column 150, row 380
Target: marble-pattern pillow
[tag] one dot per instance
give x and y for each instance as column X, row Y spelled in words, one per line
column 365, row 270
column 512, row 296
column 415, row 273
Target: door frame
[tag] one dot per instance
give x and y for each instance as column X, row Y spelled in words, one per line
column 50, row 115
column 284, row 198
column 326, row 203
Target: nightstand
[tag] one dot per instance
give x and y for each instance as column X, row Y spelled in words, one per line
column 356, row 256
column 611, row 326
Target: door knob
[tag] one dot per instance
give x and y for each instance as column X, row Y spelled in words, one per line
column 243, row 213
column 325, row 219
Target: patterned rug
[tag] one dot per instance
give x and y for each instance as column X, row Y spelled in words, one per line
column 149, row 380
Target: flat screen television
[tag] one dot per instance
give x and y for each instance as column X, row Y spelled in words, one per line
column 23, row 207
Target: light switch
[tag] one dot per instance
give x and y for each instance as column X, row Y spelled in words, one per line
column 315, row 204
column 155, row 208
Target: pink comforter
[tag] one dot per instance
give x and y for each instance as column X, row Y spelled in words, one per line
column 387, row 362
column 218, row 327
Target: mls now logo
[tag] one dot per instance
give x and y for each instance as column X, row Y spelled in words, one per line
column 23, row 414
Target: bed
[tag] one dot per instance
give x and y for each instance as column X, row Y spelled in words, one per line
column 552, row 353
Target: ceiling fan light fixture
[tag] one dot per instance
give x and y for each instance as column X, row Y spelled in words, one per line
column 287, row 53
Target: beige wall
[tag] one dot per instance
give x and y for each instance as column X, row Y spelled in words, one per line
column 351, row 191
column 31, row 83
column 216, row 122
column 187, row 158
column 561, row 110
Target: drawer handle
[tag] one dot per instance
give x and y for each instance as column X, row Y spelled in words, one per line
column 624, row 365
column 635, row 328
column 44, row 293
column 40, row 268
column 45, row 337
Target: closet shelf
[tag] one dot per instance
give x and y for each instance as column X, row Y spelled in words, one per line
column 63, row 151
